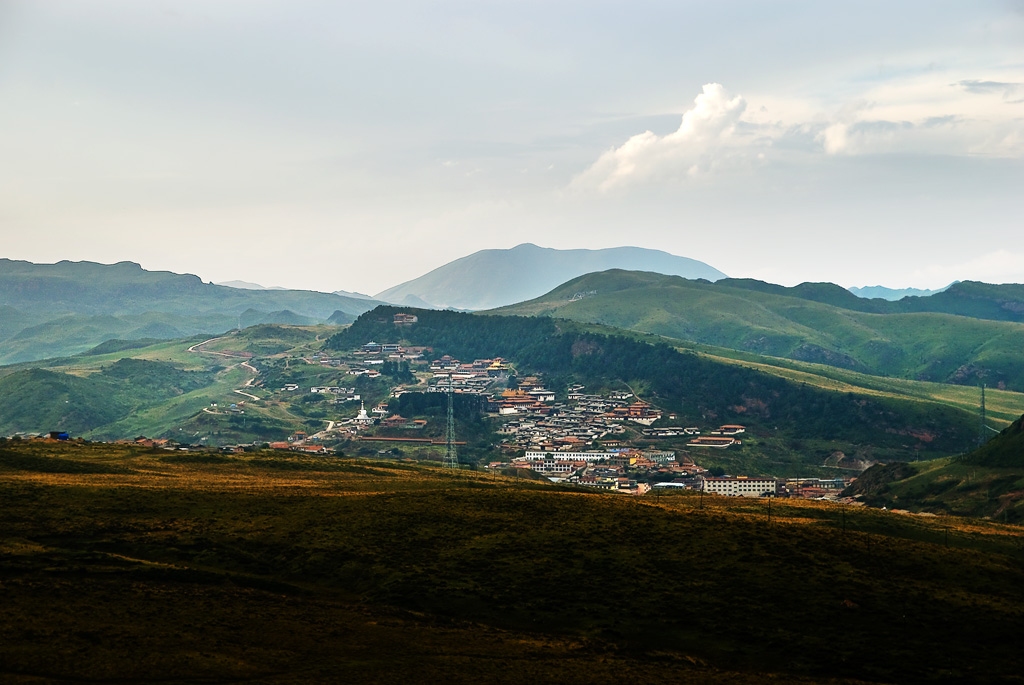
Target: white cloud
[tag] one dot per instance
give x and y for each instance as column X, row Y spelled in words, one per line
column 929, row 114
column 710, row 137
column 940, row 112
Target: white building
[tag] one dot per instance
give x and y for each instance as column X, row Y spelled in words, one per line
column 742, row 486
column 569, row 456
column 551, row 465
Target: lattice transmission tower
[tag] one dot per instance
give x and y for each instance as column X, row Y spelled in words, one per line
column 451, row 458
column 982, row 435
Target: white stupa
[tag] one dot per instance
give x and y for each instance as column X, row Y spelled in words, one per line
column 363, row 417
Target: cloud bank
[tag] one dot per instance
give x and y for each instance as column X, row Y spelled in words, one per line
column 710, row 137
column 921, row 115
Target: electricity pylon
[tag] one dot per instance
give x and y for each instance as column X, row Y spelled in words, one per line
column 451, row 459
column 982, row 437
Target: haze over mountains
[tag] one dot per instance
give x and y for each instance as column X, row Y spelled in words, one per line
column 494, row 278
column 881, row 292
column 49, row 310
column 59, row 309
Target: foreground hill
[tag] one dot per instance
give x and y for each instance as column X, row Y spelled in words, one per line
column 812, row 322
column 988, row 481
column 492, row 278
column 124, row 565
column 68, row 307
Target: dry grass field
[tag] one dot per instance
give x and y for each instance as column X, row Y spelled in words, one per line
column 126, row 565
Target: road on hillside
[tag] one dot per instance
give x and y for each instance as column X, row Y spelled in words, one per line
column 193, row 348
column 248, row 384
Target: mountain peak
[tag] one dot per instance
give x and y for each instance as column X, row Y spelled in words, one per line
column 498, row 277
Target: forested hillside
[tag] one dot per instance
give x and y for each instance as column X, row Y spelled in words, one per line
column 698, row 388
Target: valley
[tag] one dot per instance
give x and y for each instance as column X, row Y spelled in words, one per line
column 637, row 496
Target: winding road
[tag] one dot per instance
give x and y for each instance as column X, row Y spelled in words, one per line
column 197, row 348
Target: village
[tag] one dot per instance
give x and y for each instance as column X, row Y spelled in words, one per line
column 605, row 440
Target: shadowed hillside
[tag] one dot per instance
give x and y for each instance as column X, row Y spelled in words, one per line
column 988, row 481
column 270, row 567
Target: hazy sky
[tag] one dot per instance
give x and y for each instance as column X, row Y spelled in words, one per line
column 334, row 145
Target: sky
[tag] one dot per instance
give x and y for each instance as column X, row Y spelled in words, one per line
column 327, row 145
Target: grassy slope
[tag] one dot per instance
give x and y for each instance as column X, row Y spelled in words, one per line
column 949, row 485
column 180, row 416
column 988, row 481
column 67, row 308
column 271, row 566
column 1002, row 406
column 155, row 415
column 925, row 346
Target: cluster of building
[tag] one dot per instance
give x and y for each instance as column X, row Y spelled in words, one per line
column 754, row 486
column 475, row 376
column 392, row 352
column 609, row 478
column 543, row 424
column 621, row 470
column 343, row 394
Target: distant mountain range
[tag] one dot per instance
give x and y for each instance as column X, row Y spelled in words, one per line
column 893, row 294
column 69, row 307
column 946, row 337
column 494, row 278
column 246, row 285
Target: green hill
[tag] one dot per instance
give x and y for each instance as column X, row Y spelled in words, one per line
column 988, row 481
column 140, row 565
column 167, row 389
column 1003, row 302
column 39, row 400
column 697, row 387
column 1006, row 450
column 66, row 308
column 786, row 322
